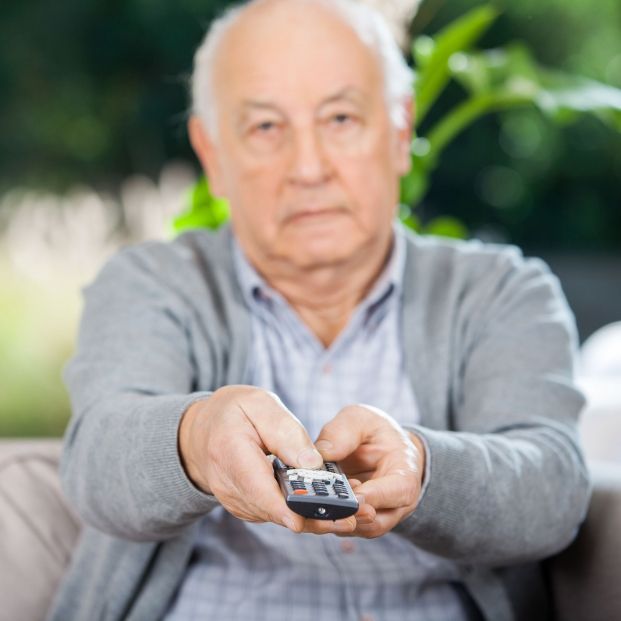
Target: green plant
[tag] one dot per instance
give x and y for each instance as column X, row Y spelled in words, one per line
column 204, row 209
column 493, row 80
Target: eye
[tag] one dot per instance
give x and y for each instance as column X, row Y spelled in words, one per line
column 342, row 118
column 341, row 121
column 264, row 127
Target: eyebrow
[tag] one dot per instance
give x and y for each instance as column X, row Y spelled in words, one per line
column 348, row 92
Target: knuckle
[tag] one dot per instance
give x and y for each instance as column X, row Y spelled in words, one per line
column 375, row 531
column 411, row 494
column 260, row 394
column 220, row 491
column 312, row 528
column 235, row 510
column 268, row 516
column 380, row 496
column 288, row 428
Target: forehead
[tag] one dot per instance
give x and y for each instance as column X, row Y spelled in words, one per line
column 292, row 51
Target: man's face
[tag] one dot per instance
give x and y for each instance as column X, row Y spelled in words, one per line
column 305, row 152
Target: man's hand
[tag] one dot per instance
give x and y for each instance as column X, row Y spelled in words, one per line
column 223, row 442
column 384, row 464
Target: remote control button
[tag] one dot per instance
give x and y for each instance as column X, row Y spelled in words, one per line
column 300, row 492
column 340, row 495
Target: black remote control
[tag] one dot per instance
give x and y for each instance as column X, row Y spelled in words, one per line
column 318, row 494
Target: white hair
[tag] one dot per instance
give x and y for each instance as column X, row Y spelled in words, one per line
column 370, row 26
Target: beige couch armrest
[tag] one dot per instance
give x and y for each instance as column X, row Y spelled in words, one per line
column 37, row 529
column 586, row 577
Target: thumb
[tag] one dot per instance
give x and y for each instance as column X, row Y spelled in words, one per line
column 283, row 434
column 344, row 433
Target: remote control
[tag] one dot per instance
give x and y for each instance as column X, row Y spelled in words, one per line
column 318, row 494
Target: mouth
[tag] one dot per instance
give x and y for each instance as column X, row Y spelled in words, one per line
column 311, row 214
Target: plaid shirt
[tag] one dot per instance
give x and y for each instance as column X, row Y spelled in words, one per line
column 250, row 571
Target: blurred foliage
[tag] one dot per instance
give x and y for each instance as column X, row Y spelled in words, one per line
column 493, row 80
column 515, row 176
column 204, row 210
column 32, row 399
column 93, row 90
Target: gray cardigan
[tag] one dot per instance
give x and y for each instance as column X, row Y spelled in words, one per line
column 489, row 343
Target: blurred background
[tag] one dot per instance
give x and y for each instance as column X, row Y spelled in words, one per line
column 94, row 155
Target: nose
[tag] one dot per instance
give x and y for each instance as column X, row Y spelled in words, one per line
column 309, row 165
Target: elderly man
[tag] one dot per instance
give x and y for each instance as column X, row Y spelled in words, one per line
column 439, row 374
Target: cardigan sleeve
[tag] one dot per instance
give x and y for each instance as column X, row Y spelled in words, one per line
column 509, row 483
column 130, row 381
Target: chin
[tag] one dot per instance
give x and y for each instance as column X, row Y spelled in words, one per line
column 323, row 251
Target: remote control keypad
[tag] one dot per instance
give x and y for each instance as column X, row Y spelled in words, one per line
column 320, row 494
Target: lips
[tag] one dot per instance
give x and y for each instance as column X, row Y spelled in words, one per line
column 310, row 213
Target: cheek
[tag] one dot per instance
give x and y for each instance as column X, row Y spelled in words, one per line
column 253, row 195
column 248, row 180
column 372, row 170
column 372, row 183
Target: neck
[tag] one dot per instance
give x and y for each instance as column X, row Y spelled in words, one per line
column 325, row 297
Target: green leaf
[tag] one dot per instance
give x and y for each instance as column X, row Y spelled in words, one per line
column 422, row 50
column 433, row 73
column 205, row 211
column 562, row 95
column 513, row 73
column 510, row 69
column 467, row 112
column 409, row 218
column 446, row 226
column 414, row 184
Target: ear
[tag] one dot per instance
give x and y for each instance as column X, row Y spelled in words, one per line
column 206, row 152
column 404, row 137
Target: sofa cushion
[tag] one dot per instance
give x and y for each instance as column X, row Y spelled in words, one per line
column 37, row 529
column 585, row 577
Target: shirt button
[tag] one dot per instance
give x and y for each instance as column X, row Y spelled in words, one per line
column 327, row 368
column 366, row 618
column 347, row 546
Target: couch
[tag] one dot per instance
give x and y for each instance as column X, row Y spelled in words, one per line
column 38, row 531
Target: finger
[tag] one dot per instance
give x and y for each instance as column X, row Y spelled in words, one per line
column 345, row 432
column 363, row 506
column 324, row 527
column 391, row 491
column 361, row 477
column 383, row 523
column 280, row 430
column 249, row 490
column 364, row 458
column 366, row 514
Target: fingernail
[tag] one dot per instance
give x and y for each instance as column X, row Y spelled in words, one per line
column 324, row 445
column 288, row 522
column 310, row 458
